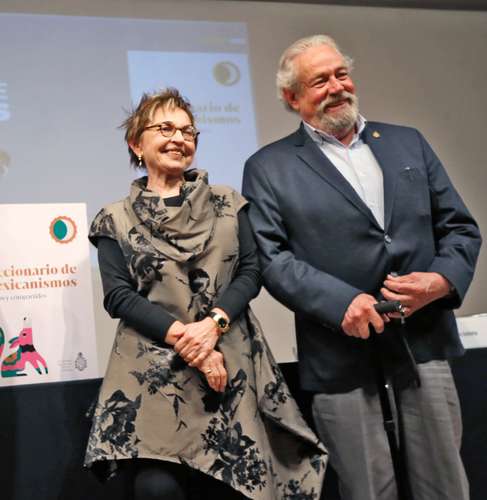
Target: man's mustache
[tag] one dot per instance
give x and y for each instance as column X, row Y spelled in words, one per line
column 336, row 99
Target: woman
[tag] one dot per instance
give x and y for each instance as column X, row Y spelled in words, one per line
column 190, row 384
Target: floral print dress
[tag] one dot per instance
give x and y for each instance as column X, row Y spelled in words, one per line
column 151, row 404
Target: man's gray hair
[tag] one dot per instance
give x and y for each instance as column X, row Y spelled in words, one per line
column 287, row 77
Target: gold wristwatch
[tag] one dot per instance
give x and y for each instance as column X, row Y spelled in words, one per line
column 221, row 322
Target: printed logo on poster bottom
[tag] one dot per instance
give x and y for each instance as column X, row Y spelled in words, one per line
column 80, row 363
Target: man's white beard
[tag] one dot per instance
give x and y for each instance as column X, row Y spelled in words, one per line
column 338, row 123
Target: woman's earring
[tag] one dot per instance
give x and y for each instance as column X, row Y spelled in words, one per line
column 139, row 157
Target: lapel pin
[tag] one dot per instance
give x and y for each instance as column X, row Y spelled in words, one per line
column 375, row 134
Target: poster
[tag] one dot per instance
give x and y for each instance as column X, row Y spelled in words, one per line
column 47, row 329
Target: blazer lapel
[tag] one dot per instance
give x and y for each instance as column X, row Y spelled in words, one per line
column 313, row 157
column 390, row 164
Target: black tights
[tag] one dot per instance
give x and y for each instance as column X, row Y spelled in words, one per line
column 155, row 480
column 158, row 480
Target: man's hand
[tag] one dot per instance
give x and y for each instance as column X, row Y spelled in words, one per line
column 198, row 341
column 213, row 367
column 415, row 290
column 359, row 315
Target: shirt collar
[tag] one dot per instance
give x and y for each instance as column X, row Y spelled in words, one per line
column 319, row 136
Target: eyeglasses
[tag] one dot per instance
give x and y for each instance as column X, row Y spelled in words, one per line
column 168, row 129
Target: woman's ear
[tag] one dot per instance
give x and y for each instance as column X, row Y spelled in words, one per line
column 136, row 149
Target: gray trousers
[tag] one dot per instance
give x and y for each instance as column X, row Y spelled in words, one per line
column 351, row 427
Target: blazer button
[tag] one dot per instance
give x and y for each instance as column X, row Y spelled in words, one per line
column 387, row 238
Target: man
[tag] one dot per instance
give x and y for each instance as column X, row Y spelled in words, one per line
column 346, row 211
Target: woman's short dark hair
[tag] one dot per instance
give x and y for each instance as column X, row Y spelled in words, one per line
column 141, row 116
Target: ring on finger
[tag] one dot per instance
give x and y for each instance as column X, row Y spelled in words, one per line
column 209, row 371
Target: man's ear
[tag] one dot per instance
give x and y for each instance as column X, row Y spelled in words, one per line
column 290, row 97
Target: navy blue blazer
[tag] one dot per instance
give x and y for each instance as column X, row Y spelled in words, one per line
column 320, row 246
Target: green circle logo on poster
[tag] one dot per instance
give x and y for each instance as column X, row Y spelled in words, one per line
column 63, row 229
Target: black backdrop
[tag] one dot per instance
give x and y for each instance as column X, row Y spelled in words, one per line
column 43, row 434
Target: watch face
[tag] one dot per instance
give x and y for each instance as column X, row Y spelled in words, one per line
column 220, row 321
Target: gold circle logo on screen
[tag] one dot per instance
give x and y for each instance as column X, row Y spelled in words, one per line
column 226, row 73
column 63, row 229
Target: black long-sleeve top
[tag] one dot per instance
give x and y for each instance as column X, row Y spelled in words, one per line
column 121, row 299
